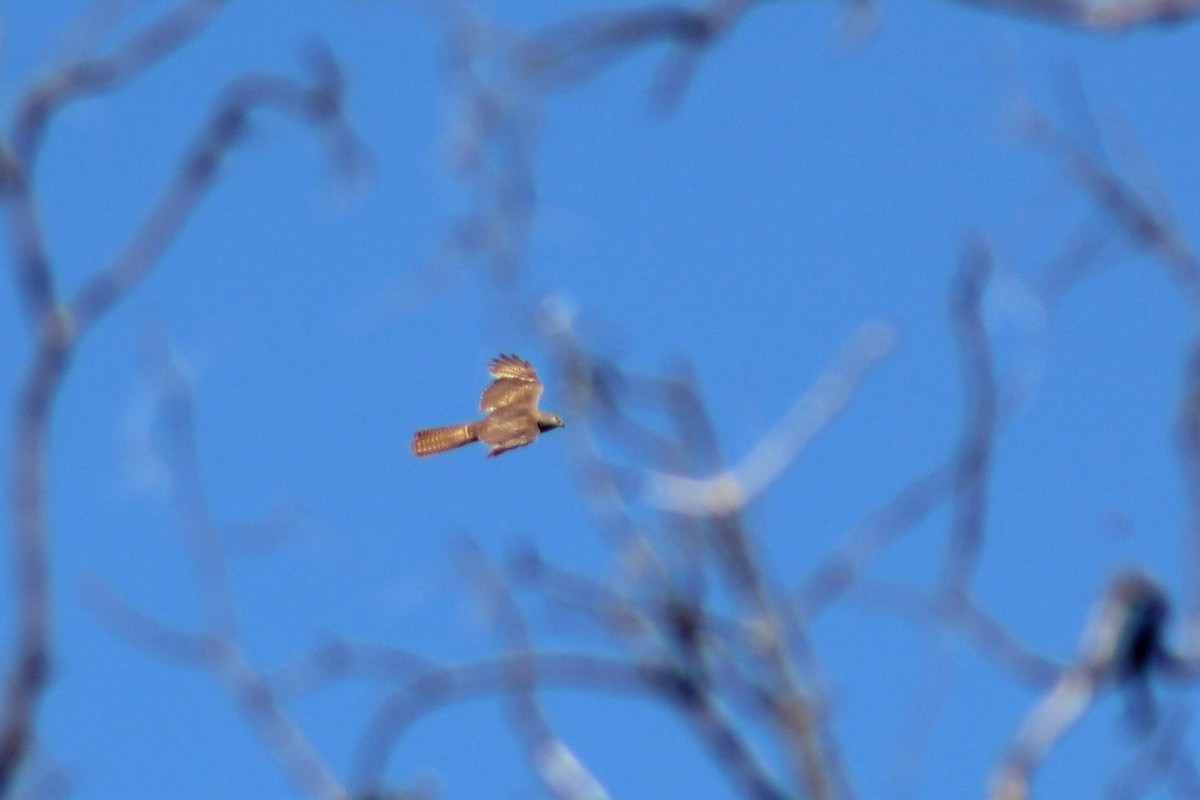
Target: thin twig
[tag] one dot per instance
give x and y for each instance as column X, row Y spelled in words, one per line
column 973, row 461
column 735, row 488
column 562, row 773
column 1115, row 16
column 58, row 327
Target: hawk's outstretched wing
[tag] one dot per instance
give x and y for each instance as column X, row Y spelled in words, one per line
column 516, row 385
column 509, row 366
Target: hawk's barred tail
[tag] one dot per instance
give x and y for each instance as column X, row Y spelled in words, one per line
column 439, row 440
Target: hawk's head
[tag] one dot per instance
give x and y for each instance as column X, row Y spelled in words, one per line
column 548, row 421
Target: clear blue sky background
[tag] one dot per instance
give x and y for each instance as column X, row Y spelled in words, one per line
column 799, row 191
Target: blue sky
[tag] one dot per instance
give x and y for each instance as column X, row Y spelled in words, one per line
column 801, row 189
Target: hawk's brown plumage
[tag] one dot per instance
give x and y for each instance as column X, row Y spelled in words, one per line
column 512, row 416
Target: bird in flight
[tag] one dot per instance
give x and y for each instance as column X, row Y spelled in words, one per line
column 512, row 417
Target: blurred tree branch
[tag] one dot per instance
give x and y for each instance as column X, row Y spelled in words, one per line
column 60, row 324
column 217, row 649
column 695, row 613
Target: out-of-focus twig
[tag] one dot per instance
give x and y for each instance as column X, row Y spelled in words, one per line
column 1114, row 16
column 80, row 80
column 962, row 476
column 1164, row 757
column 318, row 105
column 1152, row 230
column 836, row 573
column 973, row 461
column 735, row 488
column 1142, row 223
column 599, row 604
column 36, row 110
column 491, row 150
column 1122, row 646
column 1188, row 445
column 552, row 760
column 963, row 615
column 790, row 702
column 187, row 489
column 340, row 659
column 26, row 679
column 437, row 688
column 58, row 326
column 756, row 652
column 217, row 649
column 574, row 50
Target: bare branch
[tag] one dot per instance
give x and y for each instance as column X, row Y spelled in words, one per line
column 1154, row 765
column 1152, row 230
column 175, row 397
column 60, row 328
column 492, row 151
column 577, row 49
column 570, row 52
column 711, row 526
column 735, row 488
column 30, row 540
column 300, row 762
column 594, row 389
column 1188, row 446
column 559, row 770
column 1142, row 223
column 38, row 107
column 830, row 580
column 216, row 650
column 318, row 105
column 965, row 617
column 963, row 475
column 1120, row 647
column 770, row 630
column 1058, row 711
column 1114, row 16
column 251, row 692
column 80, row 80
column 339, row 659
column 196, row 650
column 973, row 461
column 438, row 688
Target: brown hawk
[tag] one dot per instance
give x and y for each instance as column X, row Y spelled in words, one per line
column 512, row 419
